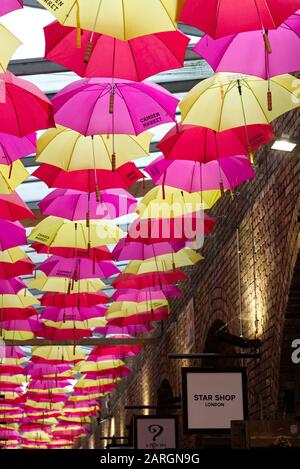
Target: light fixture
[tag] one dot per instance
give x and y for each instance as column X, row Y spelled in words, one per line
column 284, row 143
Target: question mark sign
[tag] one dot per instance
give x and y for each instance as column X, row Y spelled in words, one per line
column 156, row 430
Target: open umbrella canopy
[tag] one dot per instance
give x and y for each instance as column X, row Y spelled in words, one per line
column 12, row 176
column 235, row 100
column 63, row 284
column 21, row 300
column 74, row 205
column 224, row 17
column 56, row 266
column 13, row 208
column 73, row 314
column 59, row 232
column 13, row 148
column 80, row 152
column 121, row 19
column 61, row 300
column 12, row 234
column 122, row 107
column 89, row 180
column 130, row 250
column 149, row 293
column 196, row 143
column 98, row 254
column 152, row 279
column 105, row 56
column 64, row 332
column 17, row 313
column 20, row 96
column 10, row 5
column 14, row 269
column 10, row 44
column 191, row 176
column 11, row 286
column 135, row 316
column 57, row 354
column 246, row 52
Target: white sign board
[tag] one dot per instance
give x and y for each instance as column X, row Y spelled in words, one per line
column 155, row 433
column 213, row 398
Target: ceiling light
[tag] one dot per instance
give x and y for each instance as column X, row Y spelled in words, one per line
column 284, row 144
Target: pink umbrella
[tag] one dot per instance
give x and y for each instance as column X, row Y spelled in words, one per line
column 14, row 352
column 119, row 332
column 74, row 205
column 22, row 97
column 112, row 373
column 73, row 314
column 130, row 250
column 13, row 208
column 121, row 107
column 11, row 287
column 17, row 325
column 146, row 295
column 12, row 148
column 11, row 235
column 191, row 142
column 105, row 56
column 9, row 435
column 98, row 254
column 93, row 389
column 246, row 52
column 224, row 17
column 89, row 180
column 57, row 397
column 190, row 176
column 48, row 384
column 114, row 351
column 37, row 370
column 77, row 269
column 7, row 6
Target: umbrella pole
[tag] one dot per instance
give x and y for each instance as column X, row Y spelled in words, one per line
column 95, row 173
column 78, row 24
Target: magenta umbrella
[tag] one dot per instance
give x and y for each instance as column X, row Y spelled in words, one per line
column 190, row 176
column 223, row 17
column 246, row 52
column 56, row 266
column 11, row 286
column 12, row 148
column 130, row 250
column 119, row 332
column 105, row 56
column 37, row 370
column 6, row 6
column 118, row 107
column 73, row 314
column 193, row 142
column 21, row 98
column 12, row 234
column 74, row 205
column 48, row 384
column 139, row 296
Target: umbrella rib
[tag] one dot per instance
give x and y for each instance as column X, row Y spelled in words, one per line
column 261, row 108
column 222, row 106
column 168, row 14
column 73, row 150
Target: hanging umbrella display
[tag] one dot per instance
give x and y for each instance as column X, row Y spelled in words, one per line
column 73, row 314
column 12, row 207
column 10, row 5
column 95, row 152
column 10, row 45
column 152, row 279
column 247, row 52
column 235, row 100
column 74, row 205
column 122, row 19
column 78, row 269
column 224, row 17
column 23, row 299
column 130, row 250
column 12, row 148
column 121, row 107
column 123, row 332
column 20, row 96
column 135, row 316
column 63, row 284
column 57, row 354
column 12, row 234
column 152, row 293
column 98, row 254
column 191, row 142
column 64, row 332
column 190, row 176
column 89, row 180
column 17, row 313
column 58, row 232
column 61, row 300
column 105, row 56
column 17, row 329
column 12, row 286
column 14, row 269
column 12, row 176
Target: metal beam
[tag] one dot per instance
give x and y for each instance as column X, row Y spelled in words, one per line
column 84, row 342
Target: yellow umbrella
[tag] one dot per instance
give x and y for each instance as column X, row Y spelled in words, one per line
column 16, row 335
column 12, row 255
column 9, row 44
column 87, row 324
column 59, row 353
column 11, row 176
column 64, row 285
column 87, row 383
column 231, row 100
column 36, row 436
column 123, row 19
column 72, row 151
column 101, row 365
column 22, row 300
column 12, row 361
column 75, row 419
column 174, row 202
column 18, row 379
column 45, row 405
column 126, row 309
column 165, row 263
column 84, row 397
column 49, row 391
column 59, row 232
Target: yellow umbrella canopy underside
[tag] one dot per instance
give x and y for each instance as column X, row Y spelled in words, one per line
column 22, row 300
column 61, row 284
column 72, row 151
column 9, row 44
column 12, row 255
column 59, row 352
column 123, row 19
column 12, row 176
column 216, row 102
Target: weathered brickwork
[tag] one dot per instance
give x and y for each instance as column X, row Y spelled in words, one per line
column 267, row 207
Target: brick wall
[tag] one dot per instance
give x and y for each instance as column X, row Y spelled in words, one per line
column 267, row 207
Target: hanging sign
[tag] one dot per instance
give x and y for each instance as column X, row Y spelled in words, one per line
column 212, row 398
column 155, row 432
